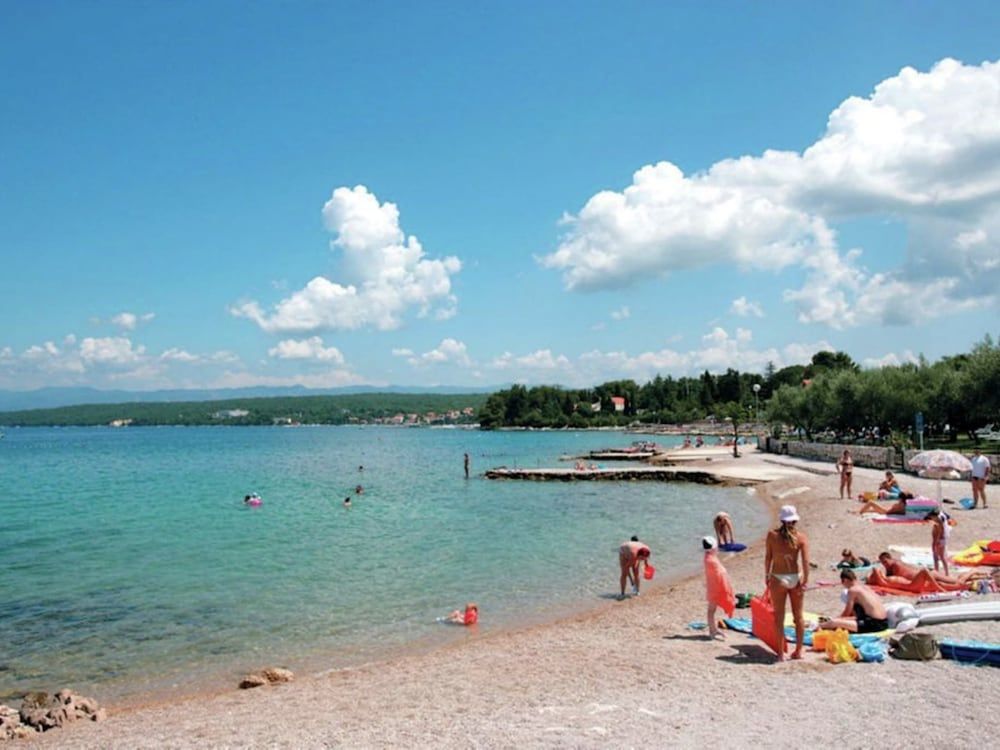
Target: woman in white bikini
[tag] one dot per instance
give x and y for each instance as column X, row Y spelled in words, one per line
column 786, row 546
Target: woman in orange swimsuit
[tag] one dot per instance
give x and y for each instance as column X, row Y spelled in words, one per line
column 786, row 547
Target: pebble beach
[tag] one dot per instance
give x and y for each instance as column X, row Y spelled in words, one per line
column 627, row 673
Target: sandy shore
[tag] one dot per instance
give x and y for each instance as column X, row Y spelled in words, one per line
column 629, row 674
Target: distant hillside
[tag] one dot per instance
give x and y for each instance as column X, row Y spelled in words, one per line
column 48, row 398
column 398, row 408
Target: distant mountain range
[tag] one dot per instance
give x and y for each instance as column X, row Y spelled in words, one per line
column 50, row 398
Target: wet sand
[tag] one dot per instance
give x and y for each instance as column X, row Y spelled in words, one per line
column 628, row 674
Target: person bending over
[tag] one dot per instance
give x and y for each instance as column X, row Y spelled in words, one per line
column 630, row 554
column 723, row 528
column 863, row 611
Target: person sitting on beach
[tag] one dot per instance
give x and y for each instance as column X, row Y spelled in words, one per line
column 849, row 560
column 630, row 554
column 723, row 528
column 863, row 611
column 889, row 486
column 718, row 588
column 902, row 572
column 786, row 546
column 469, row 617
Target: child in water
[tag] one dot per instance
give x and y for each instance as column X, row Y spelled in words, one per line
column 469, row 617
column 718, row 589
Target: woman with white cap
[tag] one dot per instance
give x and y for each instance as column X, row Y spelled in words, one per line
column 787, row 547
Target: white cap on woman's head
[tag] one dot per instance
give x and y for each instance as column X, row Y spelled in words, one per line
column 788, row 513
column 708, row 542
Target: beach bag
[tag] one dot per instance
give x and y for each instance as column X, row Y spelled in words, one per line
column 762, row 623
column 839, row 649
column 914, row 647
column 648, row 571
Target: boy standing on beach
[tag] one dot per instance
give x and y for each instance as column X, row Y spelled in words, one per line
column 718, row 588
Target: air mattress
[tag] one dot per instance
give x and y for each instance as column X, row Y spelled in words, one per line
column 971, row 652
column 732, row 547
column 963, row 612
column 983, row 552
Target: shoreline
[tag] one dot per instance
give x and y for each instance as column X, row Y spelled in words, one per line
column 561, row 683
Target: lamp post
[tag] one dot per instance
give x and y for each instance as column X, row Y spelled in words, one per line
column 756, row 403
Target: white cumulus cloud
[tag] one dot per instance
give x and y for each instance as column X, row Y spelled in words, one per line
column 387, row 275
column 311, row 348
column 128, row 321
column 112, row 350
column 622, row 313
column 744, row 308
column 923, row 148
column 449, row 351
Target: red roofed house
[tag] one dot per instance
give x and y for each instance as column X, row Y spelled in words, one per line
column 619, row 402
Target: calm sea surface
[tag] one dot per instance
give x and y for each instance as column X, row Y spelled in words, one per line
column 129, row 564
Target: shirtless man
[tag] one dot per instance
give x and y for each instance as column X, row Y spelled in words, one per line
column 898, row 569
column 630, row 554
column 786, row 545
column 723, row 528
column 863, row 611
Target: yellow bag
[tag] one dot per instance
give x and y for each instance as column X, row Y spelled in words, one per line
column 839, row 648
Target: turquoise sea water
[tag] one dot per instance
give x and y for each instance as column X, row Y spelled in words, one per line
column 129, row 564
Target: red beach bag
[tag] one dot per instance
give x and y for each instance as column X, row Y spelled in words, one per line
column 762, row 623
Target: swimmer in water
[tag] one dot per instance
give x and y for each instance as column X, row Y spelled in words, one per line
column 347, row 502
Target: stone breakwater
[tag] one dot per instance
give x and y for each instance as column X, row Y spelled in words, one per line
column 657, row 474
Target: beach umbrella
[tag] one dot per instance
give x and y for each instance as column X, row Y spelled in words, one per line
column 940, row 464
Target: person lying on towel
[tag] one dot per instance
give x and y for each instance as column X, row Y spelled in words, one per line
column 901, row 575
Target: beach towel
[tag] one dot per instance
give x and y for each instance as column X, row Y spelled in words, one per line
column 718, row 589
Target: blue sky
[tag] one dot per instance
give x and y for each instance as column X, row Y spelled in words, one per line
column 228, row 193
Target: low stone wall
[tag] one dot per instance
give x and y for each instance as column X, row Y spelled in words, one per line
column 873, row 457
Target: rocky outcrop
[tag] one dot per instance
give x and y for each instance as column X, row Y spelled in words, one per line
column 40, row 712
column 266, row 676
